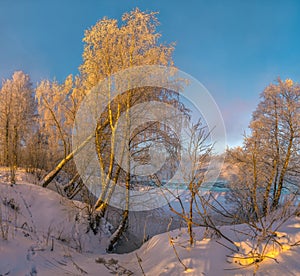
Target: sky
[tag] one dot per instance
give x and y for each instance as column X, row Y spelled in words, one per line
column 234, row 48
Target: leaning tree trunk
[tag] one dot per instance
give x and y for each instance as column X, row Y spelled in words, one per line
column 123, row 223
column 117, row 234
column 51, row 175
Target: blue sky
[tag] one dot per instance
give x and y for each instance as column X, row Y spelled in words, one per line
column 234, row 48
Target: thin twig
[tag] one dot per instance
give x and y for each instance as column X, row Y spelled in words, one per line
column 140, row 263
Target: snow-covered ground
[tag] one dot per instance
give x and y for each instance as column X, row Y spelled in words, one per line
column 47, row 236
column 211, row 256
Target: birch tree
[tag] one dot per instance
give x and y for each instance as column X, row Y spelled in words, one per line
column 269, row 160
column 109, row 49
column 17, row 116
column 276, row 122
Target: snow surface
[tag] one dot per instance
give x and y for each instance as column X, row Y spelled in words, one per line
column 47, row 236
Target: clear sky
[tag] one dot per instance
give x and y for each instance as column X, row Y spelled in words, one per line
column 235, row 48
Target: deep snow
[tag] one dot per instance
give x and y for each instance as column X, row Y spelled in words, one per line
column 47, row 236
